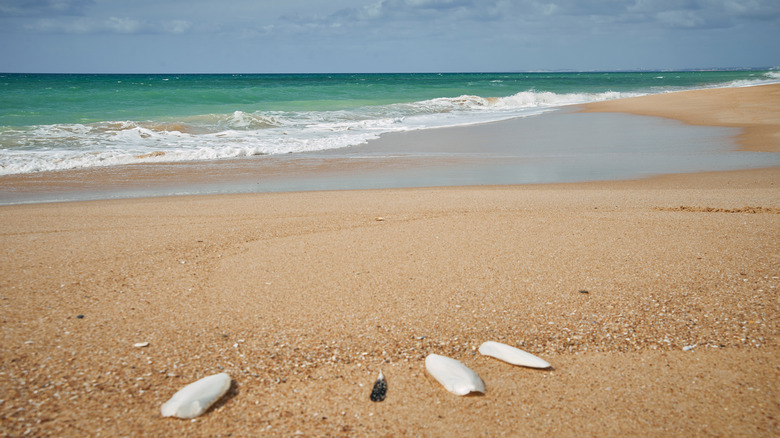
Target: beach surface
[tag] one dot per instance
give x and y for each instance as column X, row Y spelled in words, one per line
column 655, row 301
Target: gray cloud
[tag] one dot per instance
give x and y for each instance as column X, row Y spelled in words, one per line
column 686, row 13
column 418, row 10
column 302, row 16
column 409, row 35
column 37, row 8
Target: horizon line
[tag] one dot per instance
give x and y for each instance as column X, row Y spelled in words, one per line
column 638, row 70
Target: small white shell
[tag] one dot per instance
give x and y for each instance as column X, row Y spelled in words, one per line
column 453, row 375
column 195, row 398
column 512, row 355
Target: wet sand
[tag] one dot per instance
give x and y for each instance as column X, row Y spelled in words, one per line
column 755, row 110
column 303, row 297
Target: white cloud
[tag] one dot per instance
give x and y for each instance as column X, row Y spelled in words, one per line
column 176, row 26
column 50, row 25
column 371, row 12
column 122, row 25
column 111, row 25
column 683, row 19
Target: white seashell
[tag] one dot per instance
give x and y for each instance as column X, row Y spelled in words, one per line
column 453, row 375
column 512, row 355
column 141, row 344
column 195, row 398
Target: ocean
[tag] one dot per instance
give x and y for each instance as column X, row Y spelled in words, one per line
column 51, row 122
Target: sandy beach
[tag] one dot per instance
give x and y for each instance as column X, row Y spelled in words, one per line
column 655, row 301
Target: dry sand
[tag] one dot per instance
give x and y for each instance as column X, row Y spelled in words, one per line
column 303, row 297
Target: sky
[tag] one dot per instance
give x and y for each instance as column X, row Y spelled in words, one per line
column 351, row 36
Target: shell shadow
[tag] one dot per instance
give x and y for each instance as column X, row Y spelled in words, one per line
column 230, row 394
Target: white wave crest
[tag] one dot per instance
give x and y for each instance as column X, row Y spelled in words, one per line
column 522, row 100
column 535, row 99
column 243, row 120
column 770, row 77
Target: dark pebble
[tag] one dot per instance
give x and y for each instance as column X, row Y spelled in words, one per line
column 80, row 316
column 380, row 390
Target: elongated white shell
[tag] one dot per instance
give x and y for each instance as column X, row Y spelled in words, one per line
column 195, row 398
column 453, row 375
column 512, row 355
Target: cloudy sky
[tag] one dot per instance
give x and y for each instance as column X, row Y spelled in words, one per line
column 266, row 36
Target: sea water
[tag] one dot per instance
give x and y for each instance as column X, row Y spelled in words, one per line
column 59, row 122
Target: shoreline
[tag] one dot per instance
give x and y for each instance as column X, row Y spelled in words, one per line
column 303, row 297
column 485, row 154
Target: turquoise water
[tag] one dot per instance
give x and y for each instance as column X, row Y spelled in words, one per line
column 49, row 99
column 55, row 122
